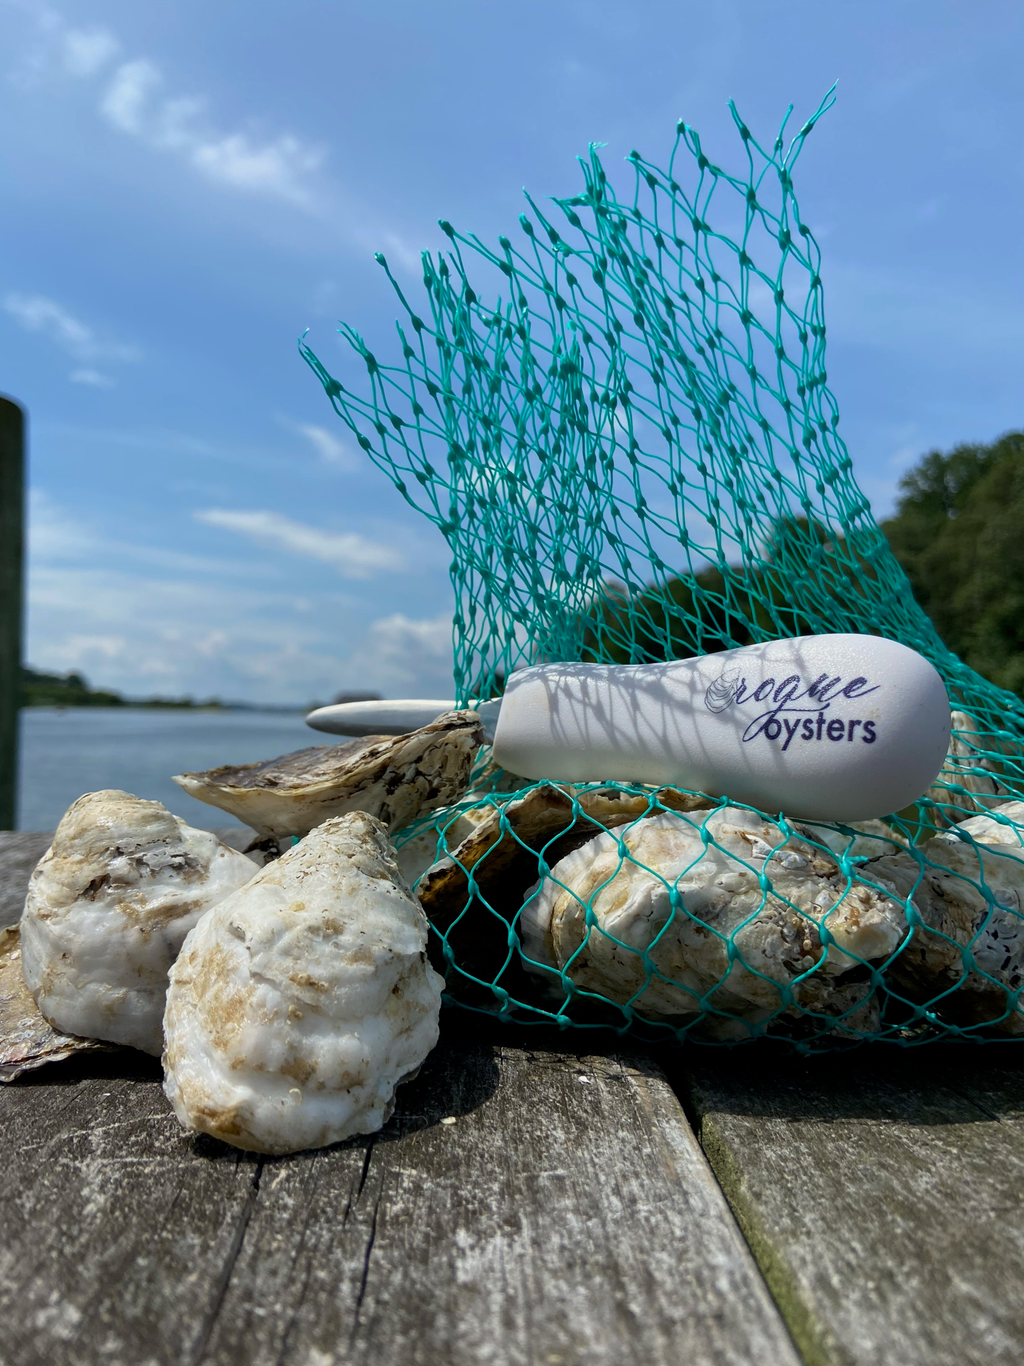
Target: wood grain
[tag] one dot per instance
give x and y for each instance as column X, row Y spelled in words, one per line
column 883, row 1194
column 526, row 1204
column 20, row 851
column 567, row 1217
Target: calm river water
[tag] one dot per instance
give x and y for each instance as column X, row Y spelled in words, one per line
column 82, row 749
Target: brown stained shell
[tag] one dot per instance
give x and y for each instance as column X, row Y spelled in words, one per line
column 955, row 915
column 970, row 764
column 26, row 1040
column 395, row 778
column 501, row 855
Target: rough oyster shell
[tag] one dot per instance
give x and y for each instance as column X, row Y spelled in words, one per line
column 856, row 839
column 396, row 778
column 298, row 1005
column 635, row 946
column 26, row 1040
column 1004, row 826
column 501, row 855
column 108, row 906
column 969, row 765
column 961, row 929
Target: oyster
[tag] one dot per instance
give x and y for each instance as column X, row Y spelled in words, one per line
column 854, row 839
column 969, row 942
column 970, row 779
column 298, row 1005
column 108, row 906
column 670, row 915
column 26, row 1040
column 1004, row 826
column 502, row 855
column 396, row 778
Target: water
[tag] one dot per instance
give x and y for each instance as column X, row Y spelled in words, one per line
column 65, row 752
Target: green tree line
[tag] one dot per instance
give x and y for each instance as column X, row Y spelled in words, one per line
column 958, row 533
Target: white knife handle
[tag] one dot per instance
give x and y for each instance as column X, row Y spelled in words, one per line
column 835, row 727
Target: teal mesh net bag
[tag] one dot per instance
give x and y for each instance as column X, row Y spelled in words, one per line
column 619, row 420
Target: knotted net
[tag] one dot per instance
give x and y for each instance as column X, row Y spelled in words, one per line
column 619, row 419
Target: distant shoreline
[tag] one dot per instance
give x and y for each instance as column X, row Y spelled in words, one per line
column 64, row 691
column 132, row 705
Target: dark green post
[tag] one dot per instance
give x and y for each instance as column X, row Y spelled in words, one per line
column 12, row 552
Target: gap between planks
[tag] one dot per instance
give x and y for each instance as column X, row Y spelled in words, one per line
column 882, row 1192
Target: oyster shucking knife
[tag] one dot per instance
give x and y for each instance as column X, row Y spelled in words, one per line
column 830, row 727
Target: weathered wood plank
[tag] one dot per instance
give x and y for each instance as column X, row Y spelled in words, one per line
column 20, row 851
column 566, row 1217
column 115, row 1229
column 882, row 1193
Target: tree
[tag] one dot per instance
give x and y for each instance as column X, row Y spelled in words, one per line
column 958, row 532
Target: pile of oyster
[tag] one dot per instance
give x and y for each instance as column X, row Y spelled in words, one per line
column 288, row 1000
column 292, row 988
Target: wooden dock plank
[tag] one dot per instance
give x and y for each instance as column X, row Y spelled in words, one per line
column 563, row 1214
column 115, row 1229
column 883, row 1194
column 567, row 1215
column 20, row 851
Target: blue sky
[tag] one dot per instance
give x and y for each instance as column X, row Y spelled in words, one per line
column 189, row 186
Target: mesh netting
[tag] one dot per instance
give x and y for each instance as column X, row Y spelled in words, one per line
column 623, row 429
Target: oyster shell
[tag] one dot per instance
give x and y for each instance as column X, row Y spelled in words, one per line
column 502, row 854
column 108, row 906
column 26, row 1040
column 669, row 915
column 856, row 839
column 967, row 943
column 298, row 1005
column 970, row 767
column 1004, row 826
column 396, row 778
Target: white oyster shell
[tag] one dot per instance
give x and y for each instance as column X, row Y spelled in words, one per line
column 414, row 856
column 108, row 907
column 854, row 839
column 1004, row 826
column 298, row 1005
column 972, row 764
column 668, row 895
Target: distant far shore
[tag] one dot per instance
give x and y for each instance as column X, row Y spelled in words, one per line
column 40, row 689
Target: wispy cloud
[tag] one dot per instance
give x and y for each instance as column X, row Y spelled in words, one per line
column 328, row 447
column 36, row 313
column 95, row 378
column 405, row 655
column 280, row 166
column 87, row 51
column 354, row 556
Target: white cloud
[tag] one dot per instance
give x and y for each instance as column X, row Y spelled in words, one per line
column 36, row 313
column 354, row 556
column 327, row 446
column 127, row 95
column 87, row 51
column 400, row 655
column 279, row 166
column 92, row 377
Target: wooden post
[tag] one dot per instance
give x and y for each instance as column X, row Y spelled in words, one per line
column 12, row 547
